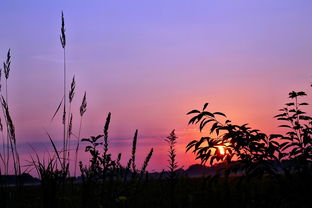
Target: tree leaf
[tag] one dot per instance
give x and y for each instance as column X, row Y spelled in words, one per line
column 219, row 113
column 205, row 106
column 285, row 126
column 193, row 111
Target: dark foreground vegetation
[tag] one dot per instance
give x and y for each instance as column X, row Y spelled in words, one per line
column 282, row 191
column 255, row 169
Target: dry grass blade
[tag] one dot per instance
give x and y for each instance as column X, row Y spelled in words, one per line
column 1, row 126
column 146, row 161
column 83, row 106
column 7, row 64
column 134, row 150
column 36, row 165
column 58, row 108
column 70, row 126
column 64, row 117
column 54, row 148
column 106, row 133
column 72, row 90
column 83, row 109
column 62, row 36
column 11, row 128
column 2, row 159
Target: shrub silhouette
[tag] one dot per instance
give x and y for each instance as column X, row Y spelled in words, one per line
column 173, row 165
column 102, row 166
column 254, row 151
column 297, row 145
column 106, row 175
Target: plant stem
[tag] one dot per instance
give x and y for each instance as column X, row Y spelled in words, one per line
column 77, row 147
column 64, row 116
column 8, row 139
column 4, row 154
column 68, row 133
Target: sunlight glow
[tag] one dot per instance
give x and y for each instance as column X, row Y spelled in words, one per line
column 221, row 150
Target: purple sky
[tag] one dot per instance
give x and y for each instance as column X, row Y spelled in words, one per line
column 150, row 62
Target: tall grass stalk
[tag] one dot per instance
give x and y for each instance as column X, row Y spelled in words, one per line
column 6, row 69
column 3, row 155
column 83, row 108
column 133, row 166
column 105, row 145
column 106, row 158
column 70, row 116
column 145, row 164
column 3, row 158
column 11, row 136
column 63, row 43
column 11, row 139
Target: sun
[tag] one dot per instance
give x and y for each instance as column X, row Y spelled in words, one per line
column 221, row 150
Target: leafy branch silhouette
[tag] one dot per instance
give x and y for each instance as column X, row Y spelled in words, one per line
column 297, row 145
column 254, row 151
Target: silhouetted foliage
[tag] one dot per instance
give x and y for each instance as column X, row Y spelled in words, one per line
column 173, row 165
column 254, row 150
column 7, row 65
column 107, row 174
column 297, row 145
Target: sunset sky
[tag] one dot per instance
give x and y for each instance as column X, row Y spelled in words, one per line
column 150, row 62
